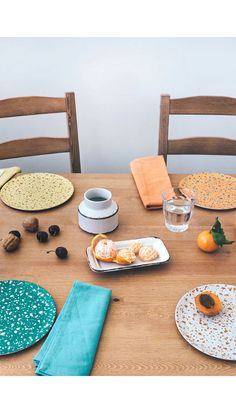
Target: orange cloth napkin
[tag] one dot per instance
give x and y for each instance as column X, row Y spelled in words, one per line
column 151, row 178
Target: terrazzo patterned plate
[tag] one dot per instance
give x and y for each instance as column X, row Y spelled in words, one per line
column 214, row 336
column 213, row 190
column 36, row 191
column 27, row 312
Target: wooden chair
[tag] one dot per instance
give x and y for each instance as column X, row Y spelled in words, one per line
column 196, row 105
column 38, row 105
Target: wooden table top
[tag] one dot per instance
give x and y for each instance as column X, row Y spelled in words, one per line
column 139, row 336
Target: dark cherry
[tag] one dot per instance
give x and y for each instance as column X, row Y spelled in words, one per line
column 16, row 233
column 61, row 252
column 54, row 230
column 42, row 236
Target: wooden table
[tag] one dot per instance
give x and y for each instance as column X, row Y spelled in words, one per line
column 139, row 336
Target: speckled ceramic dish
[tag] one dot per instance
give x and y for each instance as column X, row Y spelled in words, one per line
column 27, row 312
column 214, row 336
column 213, row 190
column 36, row 191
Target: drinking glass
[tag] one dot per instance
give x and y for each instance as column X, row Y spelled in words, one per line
column 178, row 208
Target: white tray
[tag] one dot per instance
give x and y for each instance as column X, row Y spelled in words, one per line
column 156, row 243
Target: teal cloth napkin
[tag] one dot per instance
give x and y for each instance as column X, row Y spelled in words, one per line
column 70, row 347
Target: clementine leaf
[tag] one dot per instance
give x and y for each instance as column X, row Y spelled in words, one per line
column 218, row 234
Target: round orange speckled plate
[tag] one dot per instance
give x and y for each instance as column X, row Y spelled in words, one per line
column 213, row 190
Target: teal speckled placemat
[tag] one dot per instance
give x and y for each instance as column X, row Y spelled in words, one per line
column 27, row 312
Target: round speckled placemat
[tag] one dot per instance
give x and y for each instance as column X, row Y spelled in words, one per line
column 36, row 191
column 214, row 336
column 27, row 312
column 213, row 190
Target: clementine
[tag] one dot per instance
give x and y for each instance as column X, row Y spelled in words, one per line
column 205, row 241
column 105, row 250
column 210, row 241
column 96, row 240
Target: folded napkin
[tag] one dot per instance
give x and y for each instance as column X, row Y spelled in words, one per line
column 151, row 178
column 70, row 347
column 8, row 173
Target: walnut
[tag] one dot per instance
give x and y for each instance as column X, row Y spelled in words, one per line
column 11, row 242
column 31, row 224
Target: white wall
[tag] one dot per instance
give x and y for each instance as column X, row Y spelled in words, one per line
column 118, row 83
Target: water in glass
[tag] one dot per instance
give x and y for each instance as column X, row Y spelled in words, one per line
column 178, row 208
column 177, row 214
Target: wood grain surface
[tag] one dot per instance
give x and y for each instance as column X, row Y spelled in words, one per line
column 195, row 105
column 31, row 105
column 35, row 146
column 139, row 336
column 38, row 105
column 203, row 105
column 201, row 145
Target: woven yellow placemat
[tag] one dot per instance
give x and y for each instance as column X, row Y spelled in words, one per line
column 36, row 191
column 213, row 190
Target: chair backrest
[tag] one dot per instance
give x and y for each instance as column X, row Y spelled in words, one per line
column 195, row 105
column 39, row 105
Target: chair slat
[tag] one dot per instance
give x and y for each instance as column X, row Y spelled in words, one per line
column 202, row 146
column 73, row 133
column 203, row 105
column 33, row 146
column 31, row 105
column 164, row 125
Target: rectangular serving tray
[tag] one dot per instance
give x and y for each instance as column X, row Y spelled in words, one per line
column 155, row 242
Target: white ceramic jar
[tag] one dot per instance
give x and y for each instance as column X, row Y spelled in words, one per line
column 98, row 213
